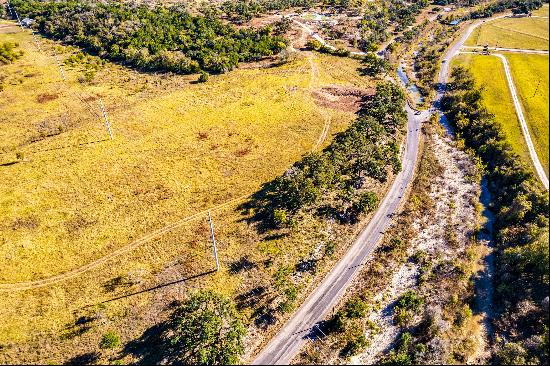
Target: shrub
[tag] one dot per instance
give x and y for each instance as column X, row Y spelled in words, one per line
column 280, row 217
column 110, row 340
column 203, row 78
column 314, row 44
column 8, row 53
column 355, row 344
column 356, row 308
column 207, row 330
column 337, row 322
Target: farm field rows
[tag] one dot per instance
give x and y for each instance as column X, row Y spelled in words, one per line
column 179, row 148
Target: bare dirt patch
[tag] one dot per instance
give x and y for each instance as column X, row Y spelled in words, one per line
column 46, row 97
column 342, row 98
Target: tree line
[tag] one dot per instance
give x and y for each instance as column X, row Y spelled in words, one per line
column 150, row 38
column 331, row 181
column 521, row 226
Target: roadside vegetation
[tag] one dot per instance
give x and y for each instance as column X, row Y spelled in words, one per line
column 411, row 304
column 521, row 227
column 368, row 149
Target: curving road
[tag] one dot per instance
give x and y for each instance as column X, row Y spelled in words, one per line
column 288, row 341
column 292, row 336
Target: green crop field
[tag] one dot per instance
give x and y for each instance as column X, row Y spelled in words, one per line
column 530, row 74
column 71, row 197
column 523, row 33
column 489, row 74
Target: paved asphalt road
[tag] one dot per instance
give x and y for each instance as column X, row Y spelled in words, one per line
column 288, row 341
column 292, row 336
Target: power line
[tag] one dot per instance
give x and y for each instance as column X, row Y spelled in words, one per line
column 213, row 241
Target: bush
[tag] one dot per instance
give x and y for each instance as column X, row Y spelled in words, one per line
column 356, row 308
column 280, row 217
column 207, row 330
column 337, row 322
column 314, row 44
column 355, row 344
column 203, row 78
column 110, row 340
column 8, row 54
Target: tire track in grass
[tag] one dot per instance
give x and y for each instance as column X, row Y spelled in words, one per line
column 19, row 286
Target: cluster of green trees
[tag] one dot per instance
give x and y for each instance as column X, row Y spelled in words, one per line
column 521, row 226
column 426, row 60
column 517, row 6
column 159, row 38
column 379, row 16
column 206, row 330
column 8, row 52
column 315, row 45
column 368, row 148
column 240, row 11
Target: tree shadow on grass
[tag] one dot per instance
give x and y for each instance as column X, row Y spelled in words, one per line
column 88, row 358
column 258, row 208
column 152, row 347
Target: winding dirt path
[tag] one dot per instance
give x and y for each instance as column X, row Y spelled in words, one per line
column 19, row 286
column 521, row 117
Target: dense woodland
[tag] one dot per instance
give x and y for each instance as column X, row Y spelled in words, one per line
column 160, row 38
column 521, row 227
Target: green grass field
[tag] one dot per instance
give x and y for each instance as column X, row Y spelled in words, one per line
column 179, row 149
column 523, row 33
column 489, row 74
column 530, row 74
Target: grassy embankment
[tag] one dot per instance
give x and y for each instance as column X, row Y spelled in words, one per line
column 179, row 149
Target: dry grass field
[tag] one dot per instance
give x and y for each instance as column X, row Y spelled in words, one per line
column 75, row 204
column 524, row 33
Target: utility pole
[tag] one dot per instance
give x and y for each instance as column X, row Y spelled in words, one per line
column 107, row 124
column 213, row 241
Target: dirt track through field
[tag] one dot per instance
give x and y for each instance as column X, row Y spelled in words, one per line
column 520, row 32
column 539, row 169
column 19, row 286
